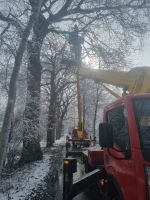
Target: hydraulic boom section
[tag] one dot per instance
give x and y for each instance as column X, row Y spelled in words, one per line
column 135, row 81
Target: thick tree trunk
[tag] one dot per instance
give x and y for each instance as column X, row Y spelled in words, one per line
column 31, row 136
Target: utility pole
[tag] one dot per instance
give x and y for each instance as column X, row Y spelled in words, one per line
column 75, row 40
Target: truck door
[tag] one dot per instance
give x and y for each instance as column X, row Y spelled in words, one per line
column 119, row 162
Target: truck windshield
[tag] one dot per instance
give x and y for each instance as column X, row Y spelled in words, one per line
column 142, row 111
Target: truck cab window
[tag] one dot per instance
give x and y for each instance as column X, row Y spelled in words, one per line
column 118, row 119
column 142, row 113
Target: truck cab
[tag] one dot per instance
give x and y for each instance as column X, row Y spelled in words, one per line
column 125, row 137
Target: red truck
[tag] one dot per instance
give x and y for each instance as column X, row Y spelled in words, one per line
column 124, row 135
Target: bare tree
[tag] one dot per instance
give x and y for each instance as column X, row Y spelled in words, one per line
column 65, row 100
column 58, row 87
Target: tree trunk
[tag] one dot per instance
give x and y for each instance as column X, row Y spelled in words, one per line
column 51, row 112
column 50, row 131
column 31, row 140
column 31, row 136
column 60, row 121
column 95, row 112
column 59, row 129
column 51, row 123
column 4, row 134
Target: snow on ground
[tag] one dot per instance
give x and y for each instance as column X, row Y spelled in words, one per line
column 43, row 144
column 24, row 180
column 61, row 141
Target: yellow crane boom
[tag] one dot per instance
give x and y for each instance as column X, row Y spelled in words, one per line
column 137, row 80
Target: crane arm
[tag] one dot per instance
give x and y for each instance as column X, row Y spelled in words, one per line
column 137, row 80
column 111, row 91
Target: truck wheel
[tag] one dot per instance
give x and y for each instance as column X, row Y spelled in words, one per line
column 112, row 193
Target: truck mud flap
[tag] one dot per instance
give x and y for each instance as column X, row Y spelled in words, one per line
column 86, row 181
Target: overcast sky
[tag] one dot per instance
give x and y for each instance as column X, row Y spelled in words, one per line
column 143, row 57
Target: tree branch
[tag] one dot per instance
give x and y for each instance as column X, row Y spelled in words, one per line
column 12, row 22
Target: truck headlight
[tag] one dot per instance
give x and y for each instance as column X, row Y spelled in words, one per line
column 147, row 171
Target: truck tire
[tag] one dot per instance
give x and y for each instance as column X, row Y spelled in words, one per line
column 116, row 197
column 112, row 192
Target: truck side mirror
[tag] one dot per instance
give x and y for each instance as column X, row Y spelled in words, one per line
column 105, row 135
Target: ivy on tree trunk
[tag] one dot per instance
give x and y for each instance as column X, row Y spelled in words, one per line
column 31, row 135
